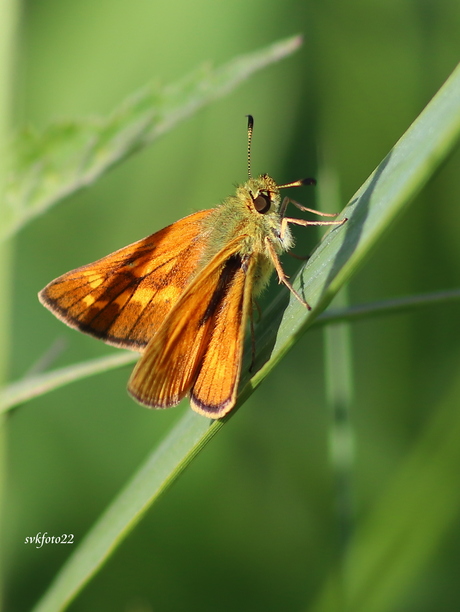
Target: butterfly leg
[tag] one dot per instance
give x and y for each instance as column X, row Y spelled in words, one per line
column 282, row 277
column 284, row 205
column 300, row 257
column 286, row 201
column 306, row 222
column 312, row 210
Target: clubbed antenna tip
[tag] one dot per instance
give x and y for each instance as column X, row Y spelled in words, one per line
column 250, row 130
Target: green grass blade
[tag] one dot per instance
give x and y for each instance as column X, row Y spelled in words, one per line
column 68, row 156
column 9, row 18
column 398, row 178
column 161, row 468
column 29, row 387
column 32, row 386
column 387, row 307
column 389, row 190
column 401, row 533
column 339, row 394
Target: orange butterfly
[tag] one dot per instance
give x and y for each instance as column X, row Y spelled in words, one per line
column 183, row 295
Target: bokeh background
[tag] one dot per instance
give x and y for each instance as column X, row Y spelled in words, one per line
column 252, row 524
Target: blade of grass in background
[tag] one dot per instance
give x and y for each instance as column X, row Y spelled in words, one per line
column 51, row 165
column 339, row 392
column 407, row 524
column 29, row 387
column 387, row 307
column 390, row 188
column 33, row 386
column 161, row 468
column 8, row 39
column 385, row 194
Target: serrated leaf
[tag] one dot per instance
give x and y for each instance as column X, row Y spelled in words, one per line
column 50, row 165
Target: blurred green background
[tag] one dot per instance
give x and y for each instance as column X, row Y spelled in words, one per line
column 252, row 524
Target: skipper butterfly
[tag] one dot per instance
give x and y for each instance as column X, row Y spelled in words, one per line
column 183, row 296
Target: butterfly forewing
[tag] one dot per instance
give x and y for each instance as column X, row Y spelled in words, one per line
column 124, row 298
column 173, row 360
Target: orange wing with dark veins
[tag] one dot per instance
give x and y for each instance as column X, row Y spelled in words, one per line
column 199, row 346
column 124, row 298
column 213, row 393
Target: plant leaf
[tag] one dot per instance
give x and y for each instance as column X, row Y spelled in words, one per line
column 50, row 165
column 402, row 531
column 161, row 468
column 32, row 386
column 389, row 189
column 29, row 387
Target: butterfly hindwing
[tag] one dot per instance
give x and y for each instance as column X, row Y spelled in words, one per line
column 124, row 298
column 213, row 393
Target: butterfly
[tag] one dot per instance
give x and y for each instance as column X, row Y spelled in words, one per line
column 183, row 296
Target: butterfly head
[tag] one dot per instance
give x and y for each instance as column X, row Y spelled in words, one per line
column 262, row 195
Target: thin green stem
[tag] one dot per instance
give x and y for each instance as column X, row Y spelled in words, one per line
column 29, row 387
column 338, row 366
column 159, row 470
column 33, row 386
column 8, row 26
column 387, row 307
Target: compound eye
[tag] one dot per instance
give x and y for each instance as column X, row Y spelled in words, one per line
column 262, row 203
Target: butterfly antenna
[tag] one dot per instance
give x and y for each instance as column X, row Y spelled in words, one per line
column 300, row 183
column 250, row 130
